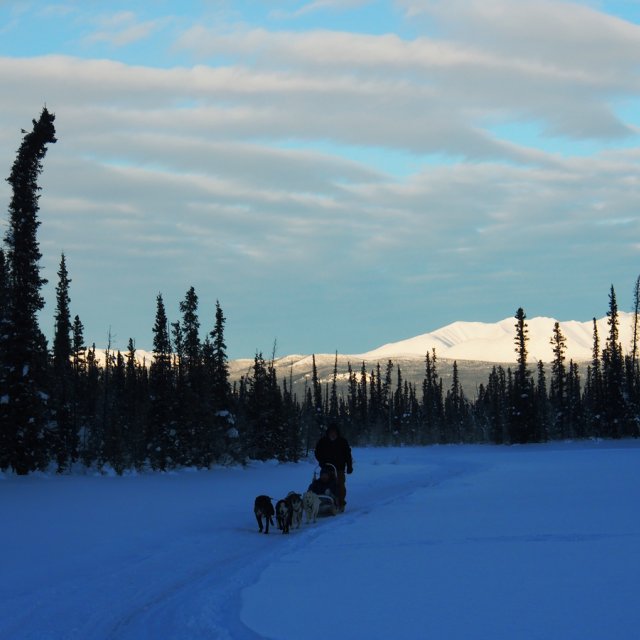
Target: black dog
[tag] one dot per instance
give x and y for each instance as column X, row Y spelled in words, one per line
column 262, row 507
column 283, row 515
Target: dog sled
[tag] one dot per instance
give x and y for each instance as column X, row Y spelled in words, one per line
column 328, row 505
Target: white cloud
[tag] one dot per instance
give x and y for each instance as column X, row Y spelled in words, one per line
column 123, row 28
column 209, row 174
column 470, row 82
column 321, row 5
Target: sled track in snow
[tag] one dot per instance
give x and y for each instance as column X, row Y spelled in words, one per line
column 204, row 606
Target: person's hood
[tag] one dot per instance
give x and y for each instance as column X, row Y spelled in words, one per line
column 334, row 428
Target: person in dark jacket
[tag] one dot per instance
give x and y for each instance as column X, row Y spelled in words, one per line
column 333, row 449
column 325, row 485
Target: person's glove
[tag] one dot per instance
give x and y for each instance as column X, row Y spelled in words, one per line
column 349, row 469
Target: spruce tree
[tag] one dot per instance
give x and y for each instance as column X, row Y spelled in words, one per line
column 318, row 413
column 557, row 392
column 575, row 408
column 333, row 401
column 521, row 429
column 79, row 374
column 219, row 419
column 594, row 389
column 116, row 433
column 220, row 389
column 497, row 401
column 162, row 446
column 191, row 338
column 182, row 440
column 91, row 442
column 432, row 401
column 384, row 396
column 542, row 404
column 456, row 409
column 363, row 400
column 66, row 436
column 635, row 337
column 263, row 440
column 5, row 436
column 23, row 366
column 632, row 367
column 134, row 408
column 613, row 374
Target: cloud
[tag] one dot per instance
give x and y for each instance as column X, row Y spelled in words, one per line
column 123, row 28
column 469, row 82
column 320, row 5
column 261, row 174
column 56, row 10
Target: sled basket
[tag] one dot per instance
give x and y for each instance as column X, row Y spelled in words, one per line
column 328, row 506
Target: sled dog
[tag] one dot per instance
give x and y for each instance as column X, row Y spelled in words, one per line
column 311, row 504
column 283, row 515
column 295, row 507
column 262, row 508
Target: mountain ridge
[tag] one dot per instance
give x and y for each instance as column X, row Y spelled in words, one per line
column 476, row 346
column 494, row 342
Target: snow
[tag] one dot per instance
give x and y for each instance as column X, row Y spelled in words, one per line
column 494, row 342
column 536, row 541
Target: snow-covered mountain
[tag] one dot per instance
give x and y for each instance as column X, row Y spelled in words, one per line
column 476, row 346
column 494, row 342
column 461, row 341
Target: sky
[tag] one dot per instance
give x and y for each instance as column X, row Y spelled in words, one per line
column 339, row 174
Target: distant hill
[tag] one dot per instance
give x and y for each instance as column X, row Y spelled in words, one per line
column 495, row 342
column 476, row 346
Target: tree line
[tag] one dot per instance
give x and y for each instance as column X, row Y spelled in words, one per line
column 66, row 405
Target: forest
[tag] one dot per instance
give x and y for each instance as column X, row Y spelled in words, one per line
column 62, row 406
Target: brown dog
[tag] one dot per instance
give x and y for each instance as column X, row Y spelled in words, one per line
column 263, row 508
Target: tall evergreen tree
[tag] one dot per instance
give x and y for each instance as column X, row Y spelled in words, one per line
column 191, row 337
column 456, row 409
column 264, row 413
column 219, row 419
column 635, row 337
column 66, row 436
column 575, row 410
column 522, row 428
column 613, row 374
column 23, row 347
column 162, row 446
column 220, row 388
column 432, row 401
column 594, row 389
column 79, row 374
column 134, row 407
column 91, row 440
column 363, row 400
column 333, row 401
column 6, row 435
column 632, row 368
column 498, row 405
column 558, row 392
column 542, row 404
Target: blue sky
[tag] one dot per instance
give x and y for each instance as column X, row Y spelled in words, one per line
column 339, row 174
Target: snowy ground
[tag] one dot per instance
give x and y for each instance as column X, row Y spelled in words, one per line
column 440, row 543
